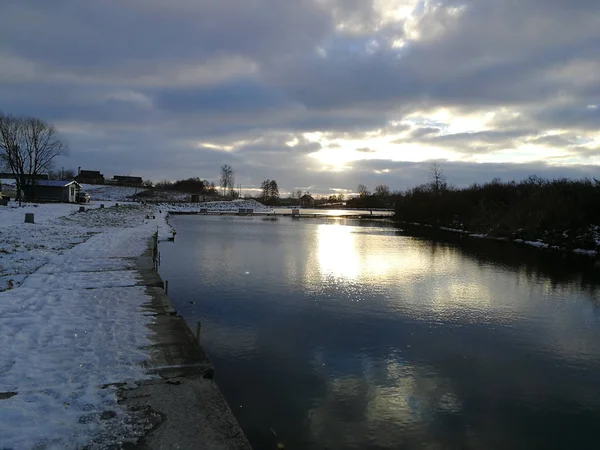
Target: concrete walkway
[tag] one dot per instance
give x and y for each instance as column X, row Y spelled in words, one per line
column 92, row 330
column 193, row 412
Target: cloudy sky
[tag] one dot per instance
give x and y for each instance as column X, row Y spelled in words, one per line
column 320, row 95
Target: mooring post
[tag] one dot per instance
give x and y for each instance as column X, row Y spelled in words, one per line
column 198, row 330
column 166, row 286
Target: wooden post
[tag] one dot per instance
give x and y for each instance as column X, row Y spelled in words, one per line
column 198, row 331
column 29, row 218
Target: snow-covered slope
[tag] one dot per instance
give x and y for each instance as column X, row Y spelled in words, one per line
column 225, row 206
column 110, row 193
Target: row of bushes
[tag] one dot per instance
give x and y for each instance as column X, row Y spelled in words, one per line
column 559, row 212
column 190, row 185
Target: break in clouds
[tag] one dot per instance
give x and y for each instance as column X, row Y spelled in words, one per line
column 318, row 94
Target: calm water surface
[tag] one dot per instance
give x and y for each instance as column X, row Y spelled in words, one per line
column 335, row 334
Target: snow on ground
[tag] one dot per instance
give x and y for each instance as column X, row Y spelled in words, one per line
column 229, row 206
column 25, row 247
column 74, row 327
column 157, row 195
column 100, row 192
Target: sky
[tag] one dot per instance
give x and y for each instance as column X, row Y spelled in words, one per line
column 320, row 95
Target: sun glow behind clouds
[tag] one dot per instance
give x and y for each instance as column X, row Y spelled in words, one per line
column 338, row 153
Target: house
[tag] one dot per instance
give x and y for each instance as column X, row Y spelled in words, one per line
column 306, row 201
column 123, row 180
column 56, row 191
column 90, row 177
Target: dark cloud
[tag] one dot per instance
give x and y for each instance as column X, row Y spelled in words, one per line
column 424, row 131
column 555, row 141
column 574, row 117
column 96, row 35
column 239, row 97
column 157, row 88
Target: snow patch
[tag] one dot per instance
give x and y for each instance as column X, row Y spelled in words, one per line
column 581, row 251
column 212, row 207
column 75, row 327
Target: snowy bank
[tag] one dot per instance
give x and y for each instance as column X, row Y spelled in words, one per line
column 99, row 192
column 591, row 235
column 217, row 207
column 71, row 324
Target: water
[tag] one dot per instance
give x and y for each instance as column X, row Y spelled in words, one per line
column 332, row 334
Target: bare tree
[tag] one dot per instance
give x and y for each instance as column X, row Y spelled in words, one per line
column 363, row 191
column 227, row 179
column 28, row 147
column 382, row 190
column 437, row 179
column 68, row 174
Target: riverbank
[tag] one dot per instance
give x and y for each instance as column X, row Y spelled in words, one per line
column 593, row 236
column 353, row 337
column 93, row 353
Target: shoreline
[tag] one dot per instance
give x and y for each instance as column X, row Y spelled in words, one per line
column 540, row 245
column 95, row 355
column 184, row 405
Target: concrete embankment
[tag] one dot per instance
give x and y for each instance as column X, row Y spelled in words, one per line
column 184, row 407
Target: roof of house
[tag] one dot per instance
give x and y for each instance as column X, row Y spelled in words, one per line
column 126, row 177
column 55, row 183
column 90, row 173
column 307, row 197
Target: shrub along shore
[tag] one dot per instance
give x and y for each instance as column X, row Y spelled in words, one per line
column 561, row 214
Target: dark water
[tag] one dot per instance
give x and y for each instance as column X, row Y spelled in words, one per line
column 337, row 335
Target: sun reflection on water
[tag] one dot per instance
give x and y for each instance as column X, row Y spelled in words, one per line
column 337, row 253
column 346, row 252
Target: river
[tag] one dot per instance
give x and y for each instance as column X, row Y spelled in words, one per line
column 341, row 334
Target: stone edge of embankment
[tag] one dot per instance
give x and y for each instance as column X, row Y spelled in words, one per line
column 183, row 407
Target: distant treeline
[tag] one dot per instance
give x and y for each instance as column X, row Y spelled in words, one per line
column 190, row 185
column 559, row 212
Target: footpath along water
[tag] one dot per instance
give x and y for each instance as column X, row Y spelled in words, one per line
column 343, row 334
column 93, row 354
